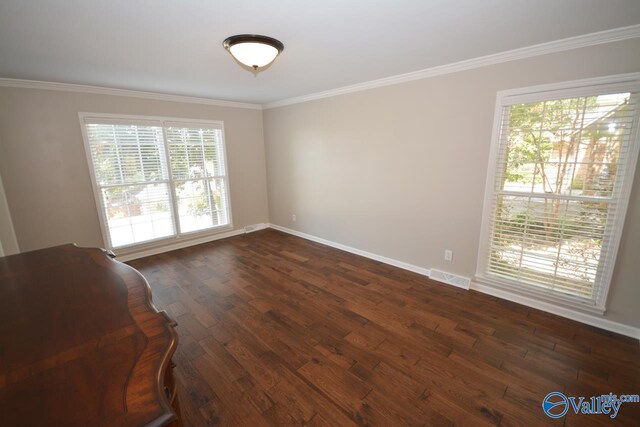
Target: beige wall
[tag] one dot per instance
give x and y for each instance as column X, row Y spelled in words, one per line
column 400, row 170
column 8, row 242
column 45, row 171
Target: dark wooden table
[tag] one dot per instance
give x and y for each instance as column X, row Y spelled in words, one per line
column 81, row 343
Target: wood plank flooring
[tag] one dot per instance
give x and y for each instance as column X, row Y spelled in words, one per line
column 277, row 330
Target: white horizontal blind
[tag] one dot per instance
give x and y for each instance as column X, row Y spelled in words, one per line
column 132, row 181
column 199, row 176
column 556, row 198
column 157, row 179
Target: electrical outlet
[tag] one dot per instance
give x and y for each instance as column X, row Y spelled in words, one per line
column 294, row 218
column 448, row 255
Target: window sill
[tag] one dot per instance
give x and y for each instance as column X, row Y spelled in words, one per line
column 178, row 242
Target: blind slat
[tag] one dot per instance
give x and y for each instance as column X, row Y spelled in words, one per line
column 154, row 177
column 559, row 170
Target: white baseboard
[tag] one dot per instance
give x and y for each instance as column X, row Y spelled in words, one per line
column 589, row 319
column 383, row 259
column 184, row 244
column 578, row 316
column 255, row 227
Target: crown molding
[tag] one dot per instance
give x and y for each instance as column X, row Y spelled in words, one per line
column 100, row 90
column 602, row 37
column 592, row 39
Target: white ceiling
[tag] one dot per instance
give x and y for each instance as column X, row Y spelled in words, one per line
column 175, row 47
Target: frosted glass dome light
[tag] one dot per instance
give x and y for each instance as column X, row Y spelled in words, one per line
column 253, row 51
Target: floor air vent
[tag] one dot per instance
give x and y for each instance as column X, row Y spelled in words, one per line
column 254, row 227
column 450, row 279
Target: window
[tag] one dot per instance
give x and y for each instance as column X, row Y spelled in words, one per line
column 156, row 179
column 561, row 168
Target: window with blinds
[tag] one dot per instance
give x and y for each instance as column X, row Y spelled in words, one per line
column 558, row 191
column 156, row 179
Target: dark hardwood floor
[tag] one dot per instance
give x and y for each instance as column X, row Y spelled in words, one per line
column 277, row 330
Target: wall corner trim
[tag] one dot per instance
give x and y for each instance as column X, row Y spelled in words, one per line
column 586, row 40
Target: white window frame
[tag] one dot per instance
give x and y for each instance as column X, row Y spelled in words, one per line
column 577, row 88
column 161, row 122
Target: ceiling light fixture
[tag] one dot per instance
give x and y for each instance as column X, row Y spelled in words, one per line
column 253, row 51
